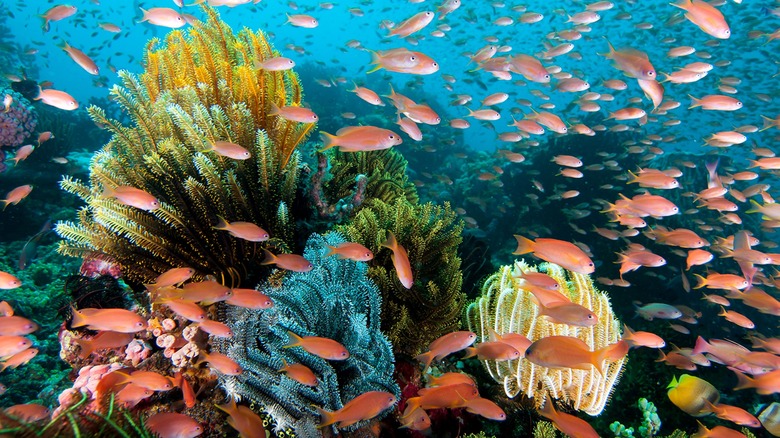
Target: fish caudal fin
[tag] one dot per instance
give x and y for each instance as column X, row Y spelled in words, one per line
column 390, row 242
column 524, row 245
column 328, row 417
column 426, row 358
column 270, row 258
column 694, row 102
column 294, row 341
column 78, row 319
column 743, row 381
column 701, row 346
column 328, row 141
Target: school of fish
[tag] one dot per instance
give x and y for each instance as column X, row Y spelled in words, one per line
column 515, row 75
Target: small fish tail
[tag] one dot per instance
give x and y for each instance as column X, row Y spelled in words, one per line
column 768, row 123
column 78, row 319
column 391, row 242
column 701, row 346
column 524, row 245
column 548, row 409
column 145, row 15
column 702, row 281
column 743, row 381
column 328, row 417
column 470, row 352
column 756, row 207
column 222, row 224
column 270, row 258
column 426, row 358
column 331, row 250
column 328, row 141
column 294, row 341
column 86, row 348
column 694, row 102
column 108, row 192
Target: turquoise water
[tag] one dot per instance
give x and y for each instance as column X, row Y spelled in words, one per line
column 469, row 168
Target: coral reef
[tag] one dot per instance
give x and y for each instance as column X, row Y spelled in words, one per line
column 195, row 91
column 385, row 170
column 335, row 300
column 650, row 426
column 506, row 307
column 412, row 318
column 17, row 122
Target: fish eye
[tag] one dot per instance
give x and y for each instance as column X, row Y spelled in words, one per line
column 413, row 58
column 368, row 254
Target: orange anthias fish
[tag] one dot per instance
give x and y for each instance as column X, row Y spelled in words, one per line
column 411, row 25
column 243, row 230
column 81, row 59
column 400, row 259
column 222, row 363
column 8, row 281
column 319, row 346
column 173, row 424
column 57, row 13
column 360, row 138
column 446, row 344
column 300, row 373
column 363, row 407
column 567, row 423
column 569, row 352
column 565, row 254
column 165, row 17
column 291, row 262
column 350, row 250
column 230, row 150
column 171, row 277
column 249, row 299
column 294, row 113
column 132, row 197
column 707, row 17
column 116, row 320
column 244, row 420
column 16, row 195
column 633, row 63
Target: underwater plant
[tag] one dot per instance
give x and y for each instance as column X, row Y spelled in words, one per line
column 649, row 427
column 197, row 92
column 335, row 300
column 412, row 318
column 384, row 170
column 506, row 307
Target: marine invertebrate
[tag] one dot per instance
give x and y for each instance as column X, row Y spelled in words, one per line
column 385, row 171
column 335, row 300
column 412, row 318
column 506, row 307
column 196, row 90
column 17, row 121
column 649, row 427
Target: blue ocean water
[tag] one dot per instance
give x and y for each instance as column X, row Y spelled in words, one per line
column 496, row 198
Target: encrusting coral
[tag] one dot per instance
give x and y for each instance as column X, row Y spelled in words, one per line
column 335, row 300
column 384, row 170
column 195, row 91
column 506, row 307
column 412, row 318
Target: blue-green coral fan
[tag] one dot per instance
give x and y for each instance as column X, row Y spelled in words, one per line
column 335, row 300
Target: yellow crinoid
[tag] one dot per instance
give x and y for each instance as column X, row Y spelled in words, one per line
column 198, row 89
column 506, row 307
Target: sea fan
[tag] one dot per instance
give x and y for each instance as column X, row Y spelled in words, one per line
column 335, row 300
